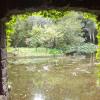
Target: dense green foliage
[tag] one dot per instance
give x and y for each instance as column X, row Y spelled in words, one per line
column 98, row 36
column 62, row 30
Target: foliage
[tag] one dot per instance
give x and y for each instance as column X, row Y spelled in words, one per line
column 70, row 28
column 51, row 29
column 55, row 51
column 93, row 17
column 28, row 52
column 98, row 36
column 54, row 14
column 87, row 48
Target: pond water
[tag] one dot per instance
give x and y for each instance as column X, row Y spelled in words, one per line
column 62, row 78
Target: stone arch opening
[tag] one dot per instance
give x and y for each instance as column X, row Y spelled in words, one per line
column 3, row 54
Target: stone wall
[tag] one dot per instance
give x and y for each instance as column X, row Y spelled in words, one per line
column 3, row 63
column 9, row 5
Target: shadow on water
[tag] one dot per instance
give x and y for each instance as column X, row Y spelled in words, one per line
column 59, row 78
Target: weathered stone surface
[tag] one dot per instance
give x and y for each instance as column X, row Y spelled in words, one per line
column 3, row 54
column 2, row 42
column 3, row 76
column 2, row 35
column 4, row 73
column 3, row 81
column 3, row 97
column 0, row 87
column 3, row 63
column 5, row 88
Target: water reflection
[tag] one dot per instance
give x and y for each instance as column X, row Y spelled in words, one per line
column 98, row 75
column 38, row 96
column 67, row 79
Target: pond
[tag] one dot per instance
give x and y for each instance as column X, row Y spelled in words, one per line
column 58, row 78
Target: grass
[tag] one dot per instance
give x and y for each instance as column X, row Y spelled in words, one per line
column 33, row 51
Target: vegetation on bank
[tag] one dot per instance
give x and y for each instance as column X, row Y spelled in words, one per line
column 67, row 31
column 98, row 50
column 28, row 52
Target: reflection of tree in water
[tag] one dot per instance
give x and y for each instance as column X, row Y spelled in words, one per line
column 98, row 75
column 38, row 96
column 98, row 66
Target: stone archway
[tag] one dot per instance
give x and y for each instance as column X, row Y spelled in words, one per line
column 3, row 61
column 3, row 54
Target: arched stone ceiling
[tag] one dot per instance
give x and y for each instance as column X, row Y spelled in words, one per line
column 7, row 5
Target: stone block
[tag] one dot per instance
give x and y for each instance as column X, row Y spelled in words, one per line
column 3, row 64
column 1, row 89
column 2, row 40
column 3, row 54
column 2, row 97
column 4, row 73
column 2, row 43
column 5, row 88
column 0, row 75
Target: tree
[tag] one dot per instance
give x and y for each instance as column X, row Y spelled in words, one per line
column 37, row 29
column 70, row 27
column 51, row 29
